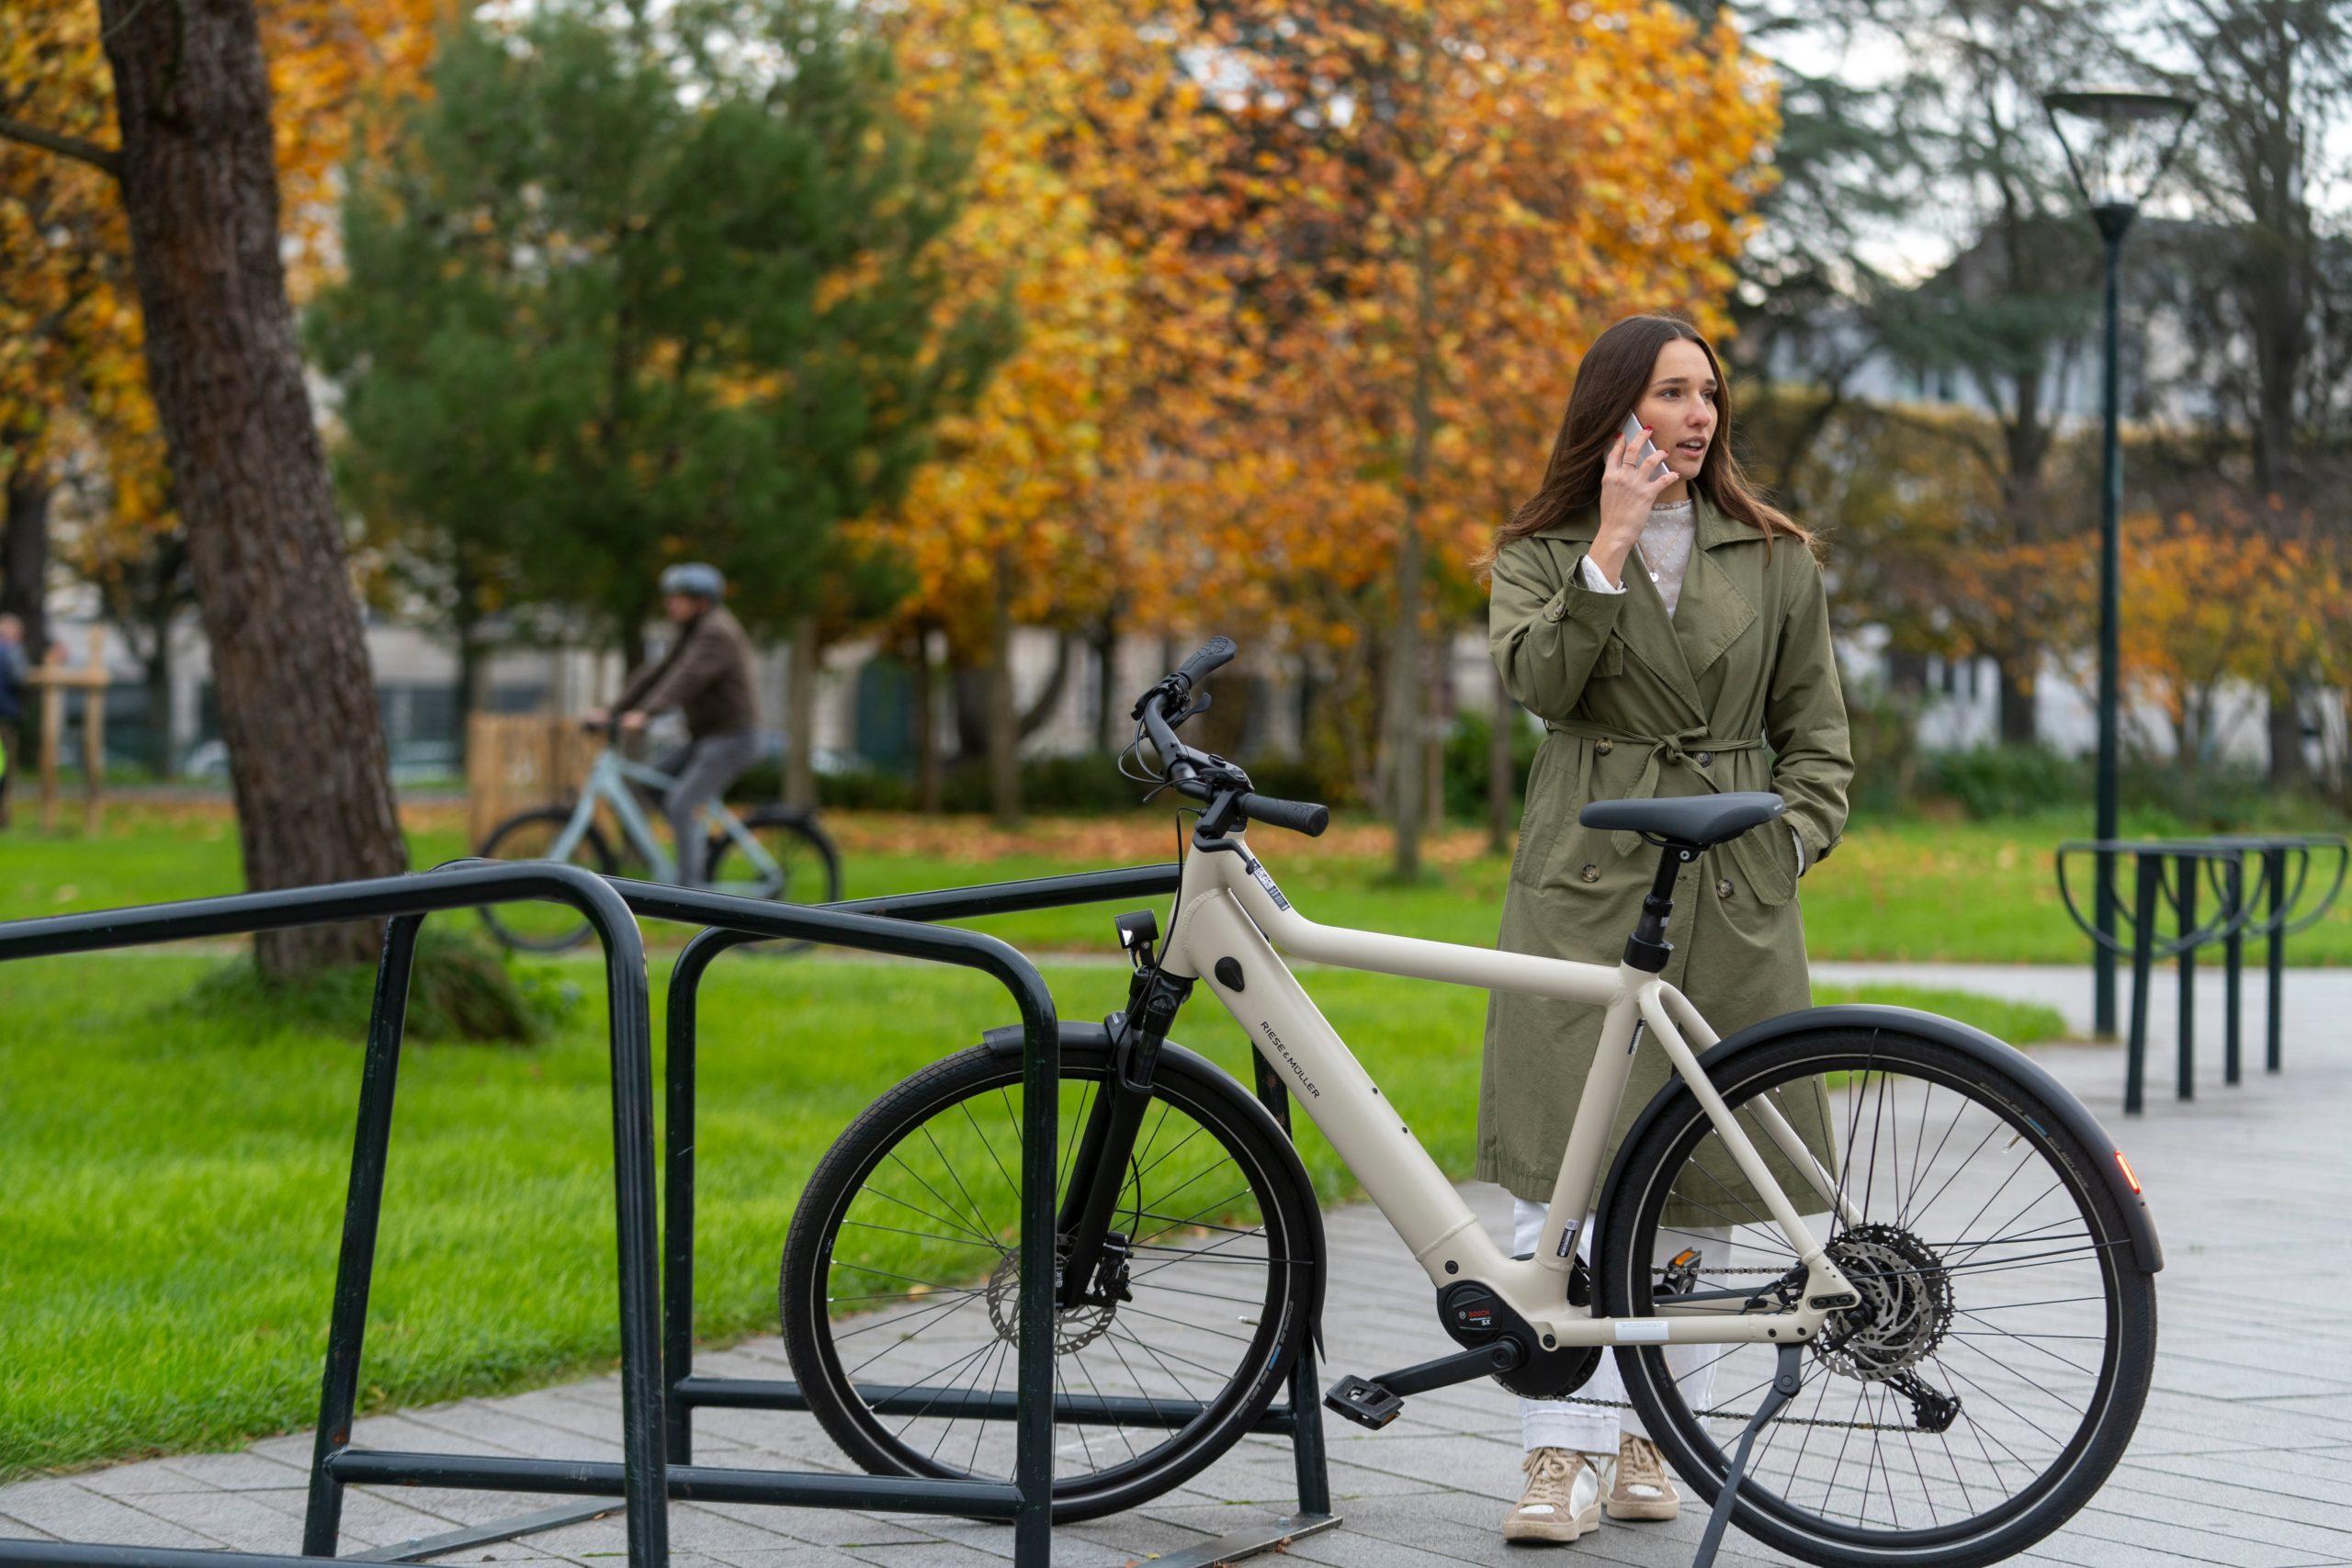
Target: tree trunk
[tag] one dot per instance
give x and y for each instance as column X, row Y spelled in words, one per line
column 158, row 671
column 1439, row 723
column 929, row 786
column 473, row 662
column 2289, row 769
column 24, row 554
column 2017, row 720
column 1003, row 715
column 1041, row 711
column 1500, row 768
column 800, row 716
column 1110, row 719
column 289, row 663
column 1404, row 722
column 1907, row 673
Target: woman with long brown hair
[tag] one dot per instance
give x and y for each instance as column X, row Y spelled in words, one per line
column 1671, row 629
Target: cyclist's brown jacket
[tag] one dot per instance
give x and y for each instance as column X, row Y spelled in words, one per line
column 706, row 673
column 1736, row 690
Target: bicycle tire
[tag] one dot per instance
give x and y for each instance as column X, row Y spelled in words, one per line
column 815, row 851
column 1215, row 1104
column 561, row 935
column 2118, row 1387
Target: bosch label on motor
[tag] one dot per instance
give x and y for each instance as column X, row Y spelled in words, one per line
column 1272, row 892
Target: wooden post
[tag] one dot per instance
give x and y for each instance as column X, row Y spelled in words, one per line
column 52, row 725
column 54, row 680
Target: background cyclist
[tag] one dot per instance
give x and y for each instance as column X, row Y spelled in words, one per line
column 706, row 675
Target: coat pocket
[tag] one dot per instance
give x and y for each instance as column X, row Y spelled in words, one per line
column 1765, row 857
column 1540, row 818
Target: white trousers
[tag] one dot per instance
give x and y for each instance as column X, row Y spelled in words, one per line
column 1592, row 1429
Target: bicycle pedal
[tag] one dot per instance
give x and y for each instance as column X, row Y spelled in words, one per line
column 1364, row 1403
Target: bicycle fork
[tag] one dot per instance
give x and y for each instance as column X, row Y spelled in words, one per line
column 1093, row 1259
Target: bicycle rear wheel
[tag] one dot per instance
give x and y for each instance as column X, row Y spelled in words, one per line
column 901, row 1276
column 1992, row 1374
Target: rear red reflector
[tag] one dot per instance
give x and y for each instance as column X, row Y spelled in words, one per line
column 2127, row 1170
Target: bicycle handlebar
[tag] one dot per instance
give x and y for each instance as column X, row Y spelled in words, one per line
column 1212, row 656
column 1298, row 816
column 1184, row 765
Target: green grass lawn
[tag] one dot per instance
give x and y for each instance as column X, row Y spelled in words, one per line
column 1897, row 889
column 171, row 1179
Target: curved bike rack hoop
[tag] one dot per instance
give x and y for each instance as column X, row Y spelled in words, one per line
column 644, row 1478
column 2167, row 872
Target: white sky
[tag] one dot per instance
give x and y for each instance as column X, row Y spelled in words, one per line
column 1924, row 242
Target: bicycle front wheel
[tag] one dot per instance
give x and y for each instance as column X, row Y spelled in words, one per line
column 807, row 867
column 901, row 1277
column 1989, row 1378
column 529, row 926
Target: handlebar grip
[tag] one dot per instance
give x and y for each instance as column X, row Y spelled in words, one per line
column 1298, row 816
column 1214, row 654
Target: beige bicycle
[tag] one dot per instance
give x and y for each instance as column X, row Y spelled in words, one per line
column 1888, row 1255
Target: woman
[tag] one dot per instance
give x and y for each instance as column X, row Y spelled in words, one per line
column 1668, row 626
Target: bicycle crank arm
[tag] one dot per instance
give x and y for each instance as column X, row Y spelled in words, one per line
column 1375, row 1402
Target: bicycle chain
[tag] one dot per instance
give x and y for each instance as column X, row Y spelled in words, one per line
column 1735, row 1415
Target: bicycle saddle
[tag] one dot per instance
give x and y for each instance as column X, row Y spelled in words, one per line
column 1694, row 820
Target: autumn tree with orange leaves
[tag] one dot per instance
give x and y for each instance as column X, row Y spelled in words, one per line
column 167, row 112
column 1099, row 170
column 1450, row 197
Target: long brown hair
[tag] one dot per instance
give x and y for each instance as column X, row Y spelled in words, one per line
column 1610, row 383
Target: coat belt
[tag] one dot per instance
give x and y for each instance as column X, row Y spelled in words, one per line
column 1674, row 748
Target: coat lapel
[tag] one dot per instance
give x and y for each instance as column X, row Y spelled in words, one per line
column 1645, row 627
column 1713, row 610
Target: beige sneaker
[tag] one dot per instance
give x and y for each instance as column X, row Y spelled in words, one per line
column 1641, row 1489
column 1562, row 1499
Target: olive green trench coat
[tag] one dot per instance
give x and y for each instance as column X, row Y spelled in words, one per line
column 1638, row 702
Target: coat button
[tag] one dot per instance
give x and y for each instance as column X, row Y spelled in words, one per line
column 1602, row 746
column 1590, row 874
column 1706, row 759
column 1723, row 887
column 1555, row 611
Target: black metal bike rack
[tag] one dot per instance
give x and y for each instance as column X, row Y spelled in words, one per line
column 645, row 1479
column 2166, row 876
column 1300, row 1418
column 659, row 1388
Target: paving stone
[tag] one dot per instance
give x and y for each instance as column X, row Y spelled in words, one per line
column 127, row 1480
column 71, row 1512
column 237, row 1473
column 236, row 1517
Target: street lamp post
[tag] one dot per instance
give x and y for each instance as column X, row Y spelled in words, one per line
column 2120, row 143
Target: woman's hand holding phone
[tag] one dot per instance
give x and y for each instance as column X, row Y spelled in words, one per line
column 1630, row 480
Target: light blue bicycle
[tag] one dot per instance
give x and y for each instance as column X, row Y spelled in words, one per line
column 775, row 853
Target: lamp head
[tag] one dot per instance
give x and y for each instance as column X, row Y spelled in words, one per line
column 2118, row 144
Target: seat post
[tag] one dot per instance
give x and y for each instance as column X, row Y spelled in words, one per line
column 1647, row 949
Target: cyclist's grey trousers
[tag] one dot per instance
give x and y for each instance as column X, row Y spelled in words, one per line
column 704, row 769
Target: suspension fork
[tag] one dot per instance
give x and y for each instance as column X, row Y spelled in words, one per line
column 1099, row 1170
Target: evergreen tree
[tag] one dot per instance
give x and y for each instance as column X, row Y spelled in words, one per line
column 624, row 293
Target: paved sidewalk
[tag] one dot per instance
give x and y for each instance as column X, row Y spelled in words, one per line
column 2244, row 1458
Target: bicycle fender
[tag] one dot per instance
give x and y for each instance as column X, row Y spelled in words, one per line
column 1008, row 1041
column 2147, row 1254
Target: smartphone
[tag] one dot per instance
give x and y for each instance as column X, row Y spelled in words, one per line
column 1633, row 432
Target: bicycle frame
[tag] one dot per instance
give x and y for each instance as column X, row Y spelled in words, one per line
column 607, row 783
column 1228, row 908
